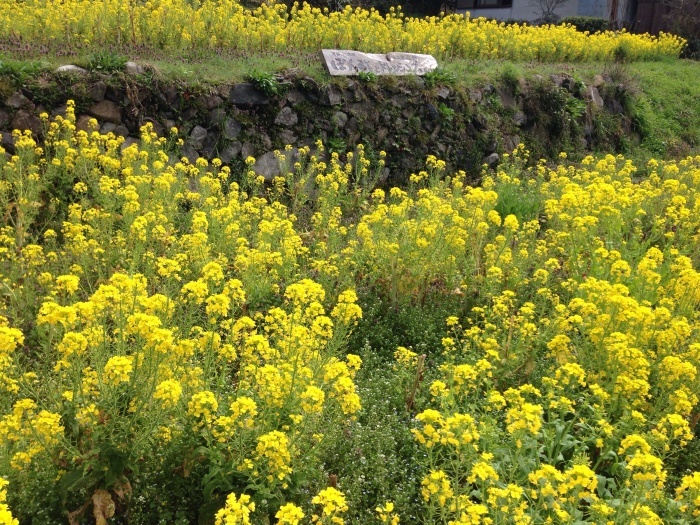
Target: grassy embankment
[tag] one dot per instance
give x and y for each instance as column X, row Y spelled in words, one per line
column 665, row 93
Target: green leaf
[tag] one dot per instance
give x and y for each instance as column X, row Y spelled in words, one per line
column 69, row 480
column 207, row 512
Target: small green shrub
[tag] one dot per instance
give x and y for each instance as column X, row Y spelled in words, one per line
column 18, row 71
column 439, row 76
column 446, row 113
column 336, row 145
column 575, row 107
column 622, row 53
column 592, row 24
column 366, row 77
column 106, row 61
column 510, row 76
column 642, row 116
column 267, row 83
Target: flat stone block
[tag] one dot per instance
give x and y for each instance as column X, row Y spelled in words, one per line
column 346, row 63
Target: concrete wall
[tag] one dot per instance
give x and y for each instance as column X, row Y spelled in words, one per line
column 597, row 8
column 522, row 10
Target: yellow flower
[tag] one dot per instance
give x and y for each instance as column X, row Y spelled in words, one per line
column 5, row 514
column 203, row 405
column 273, row 449
column 236, row 512
column 437, row 486
column 67, row 283
column 333, row 505
column 386, row 513
column 168, row 392
column 118, row 370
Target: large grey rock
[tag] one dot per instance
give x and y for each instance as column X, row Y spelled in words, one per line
column 475, row 96
column 295, row 97
column 339, row 119
column 171, row 96
column 564, row 81
column 593, row 95
column 83, row 123
column 108, row 127
column 132, row 68
column 189, row 153
column 18, row 101
column 26, row 120
column 344, row 63
column 97, row 91
column 232, row 128
column 247, row 150
column 363, row 110
column 230, row 152
column 287, row 136
column 408, row 112
column 197, row 136
column 287, row 117
column 212, row 102
column 511, row 142
column 60, row 111
column 520, row 119
column 7, row 141
column 443, row 92
column 71, row 69
column 209, row 146
column 331, row 96
column 4, row 119
column 491, row 160
column 398, row 101
column 614, row 106
column 158, row 128
column 129, row 141
column 507, row 99
column 223, row 91
column 189, row 114
column 216, row 117
column 121, row 131
column 107, row 111
column 267, row 165
column 558, row 80
column 247, row 94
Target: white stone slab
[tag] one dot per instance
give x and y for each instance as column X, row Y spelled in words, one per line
column 342, row 62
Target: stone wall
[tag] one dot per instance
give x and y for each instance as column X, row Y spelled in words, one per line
column 404, row 117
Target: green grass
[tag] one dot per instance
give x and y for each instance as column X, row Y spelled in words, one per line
column 663, row 94
column 672, row 91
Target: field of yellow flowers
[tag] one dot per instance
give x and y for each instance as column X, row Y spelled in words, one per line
column 213, row 25
column 174, row 338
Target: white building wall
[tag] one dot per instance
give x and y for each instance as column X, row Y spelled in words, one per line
column 522, row 10
column 597, row 8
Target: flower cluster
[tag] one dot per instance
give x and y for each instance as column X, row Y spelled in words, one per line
column 5, row 514
column 212, row 24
